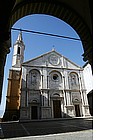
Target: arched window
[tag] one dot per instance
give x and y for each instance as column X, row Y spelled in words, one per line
column 18, row 51
column 73, row 80
column 34, row 78
column 55, row 79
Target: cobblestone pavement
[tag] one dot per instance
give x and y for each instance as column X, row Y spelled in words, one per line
column 42, row 129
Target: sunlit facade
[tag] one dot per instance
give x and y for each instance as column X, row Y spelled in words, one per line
column 52, row 87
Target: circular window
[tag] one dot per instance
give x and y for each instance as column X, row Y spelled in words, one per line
column 55, row 77
column 54, row 60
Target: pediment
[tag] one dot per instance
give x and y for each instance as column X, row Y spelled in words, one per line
column 52, row 59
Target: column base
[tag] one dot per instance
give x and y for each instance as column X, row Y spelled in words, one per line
column 86, row 111
column 70, row 111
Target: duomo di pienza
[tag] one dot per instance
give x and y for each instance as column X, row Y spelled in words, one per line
column 45, row 87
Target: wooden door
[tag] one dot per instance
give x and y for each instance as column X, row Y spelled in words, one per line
column 77, row 111
column 34, row 112
column 57, row 108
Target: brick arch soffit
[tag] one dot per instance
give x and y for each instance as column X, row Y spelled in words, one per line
column 55, row 9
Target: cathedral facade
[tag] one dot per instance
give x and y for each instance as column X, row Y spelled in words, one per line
column 48, row 86
column 52, row 87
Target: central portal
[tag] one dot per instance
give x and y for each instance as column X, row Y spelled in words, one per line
column 57, row 108
column 77, row 111
column 34, row 112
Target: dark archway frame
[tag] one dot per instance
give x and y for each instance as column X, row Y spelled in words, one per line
column 16, row 9
column 60, row 11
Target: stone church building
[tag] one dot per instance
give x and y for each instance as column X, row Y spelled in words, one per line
column 48, row 86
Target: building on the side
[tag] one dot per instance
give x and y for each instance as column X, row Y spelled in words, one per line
column 14, row 82
column 88, row 78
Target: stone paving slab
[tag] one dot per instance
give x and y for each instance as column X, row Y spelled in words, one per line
column 80, row 135
column 23, row 129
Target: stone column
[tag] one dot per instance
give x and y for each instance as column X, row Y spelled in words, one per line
column 88, row 52
column 65, row 99
column 4, row 50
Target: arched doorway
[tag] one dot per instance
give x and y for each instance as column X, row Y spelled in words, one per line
column 77, row 110
column 57, row 113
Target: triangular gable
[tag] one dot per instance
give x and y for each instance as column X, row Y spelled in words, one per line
column 44, row 60
column 38, row 57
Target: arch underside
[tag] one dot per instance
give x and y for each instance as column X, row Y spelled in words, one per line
column 76, row 13
column 60, row 11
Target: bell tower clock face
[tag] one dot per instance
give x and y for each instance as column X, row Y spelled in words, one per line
column 54, row 60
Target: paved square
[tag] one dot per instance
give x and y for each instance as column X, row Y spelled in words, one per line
column 37, row 128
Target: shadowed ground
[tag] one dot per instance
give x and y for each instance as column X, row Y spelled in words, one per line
column 36, row 128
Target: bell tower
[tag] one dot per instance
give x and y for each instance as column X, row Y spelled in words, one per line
column 14, row 82
column 18, row 53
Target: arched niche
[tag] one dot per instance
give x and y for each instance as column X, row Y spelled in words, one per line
column 34, row 79
column 73, row 80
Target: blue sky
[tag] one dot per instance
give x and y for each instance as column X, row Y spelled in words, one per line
column 36, row 44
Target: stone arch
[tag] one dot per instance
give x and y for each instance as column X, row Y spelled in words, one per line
column 34, row 101
column 35, row 70
column 59, row 10
column 81, row 21
column 55, row 79
column 56, row 95
column 76, row 100
column 55, row 72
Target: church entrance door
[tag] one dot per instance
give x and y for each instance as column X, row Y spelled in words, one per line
column 34, row 112
column 77, row 110
column 57, row 108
